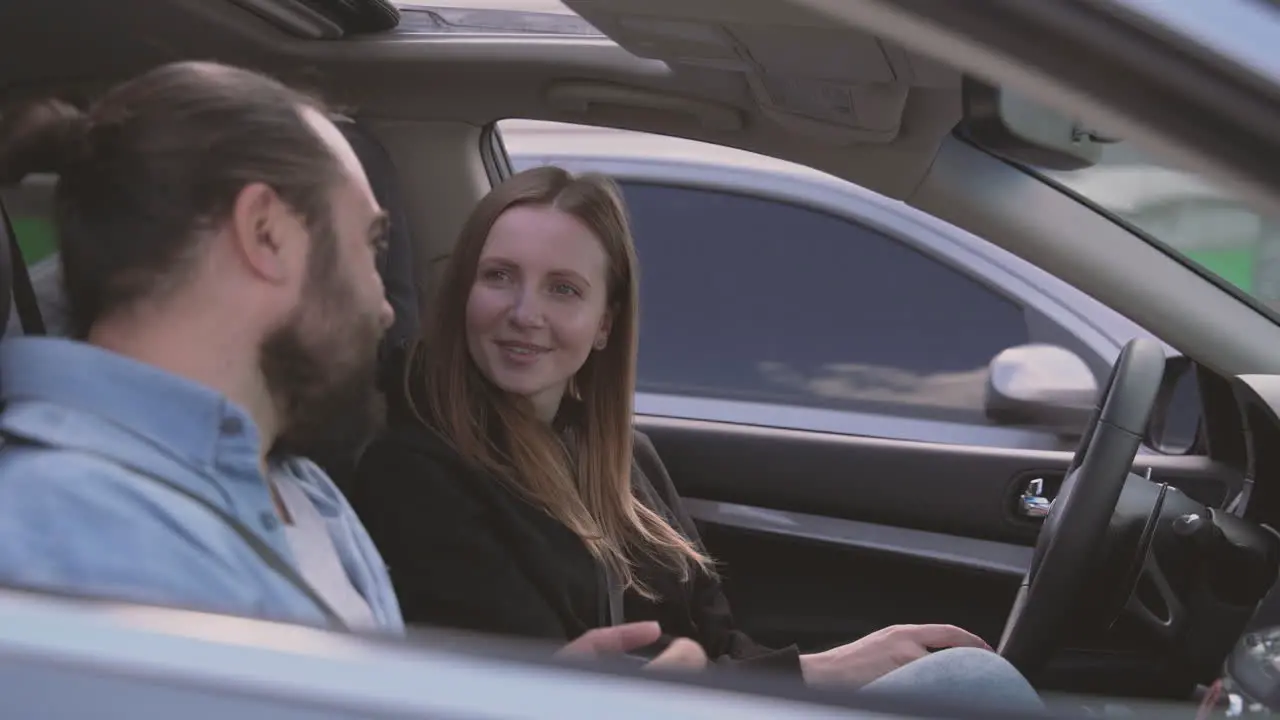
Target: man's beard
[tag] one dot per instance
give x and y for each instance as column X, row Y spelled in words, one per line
column 322, row 369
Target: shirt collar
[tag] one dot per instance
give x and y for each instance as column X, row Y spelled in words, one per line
column 183, row 416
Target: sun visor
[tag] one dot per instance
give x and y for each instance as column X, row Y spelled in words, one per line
column 840, row 84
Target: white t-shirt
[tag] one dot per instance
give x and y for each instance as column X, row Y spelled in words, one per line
column 318, row 560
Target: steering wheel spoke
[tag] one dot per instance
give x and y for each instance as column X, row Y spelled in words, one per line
column 1154, row 603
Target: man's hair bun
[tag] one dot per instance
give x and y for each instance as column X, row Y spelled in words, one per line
column 49, row 136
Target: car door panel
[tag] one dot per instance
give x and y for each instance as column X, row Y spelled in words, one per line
column 826, row 537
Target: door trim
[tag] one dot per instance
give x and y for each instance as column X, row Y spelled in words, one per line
column 985, row 555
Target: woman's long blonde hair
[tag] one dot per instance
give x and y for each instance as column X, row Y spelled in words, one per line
column 585, row 484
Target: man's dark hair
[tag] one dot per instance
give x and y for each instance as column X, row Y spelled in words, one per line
column 156, row 161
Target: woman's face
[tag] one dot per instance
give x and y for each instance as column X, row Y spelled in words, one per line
column 539, row 304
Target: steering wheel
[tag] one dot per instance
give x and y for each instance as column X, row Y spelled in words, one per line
column 1074, row 532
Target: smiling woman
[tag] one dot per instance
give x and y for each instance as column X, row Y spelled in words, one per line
column 513, row 495
column 524, row 292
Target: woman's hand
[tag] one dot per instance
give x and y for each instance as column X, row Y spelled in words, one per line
column 882, row 652
column 681, row 654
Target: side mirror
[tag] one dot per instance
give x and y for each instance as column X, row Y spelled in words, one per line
column 1043, row 386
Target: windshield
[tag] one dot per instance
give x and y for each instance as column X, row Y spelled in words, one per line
column 1202, row 221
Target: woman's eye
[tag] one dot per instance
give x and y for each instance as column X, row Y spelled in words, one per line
column 497, row 275
column 565, row 289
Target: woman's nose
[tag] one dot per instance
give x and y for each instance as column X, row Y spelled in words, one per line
column 527, row 311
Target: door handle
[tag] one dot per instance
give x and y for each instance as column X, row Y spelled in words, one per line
column 1032, row 503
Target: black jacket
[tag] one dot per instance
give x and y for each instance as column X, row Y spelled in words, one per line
column 466, row 551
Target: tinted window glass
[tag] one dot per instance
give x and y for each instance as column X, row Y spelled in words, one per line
column 750, row 299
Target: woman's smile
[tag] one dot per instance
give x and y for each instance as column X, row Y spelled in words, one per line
column 520, row 353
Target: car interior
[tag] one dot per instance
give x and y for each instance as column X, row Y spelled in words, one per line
column 1146, row 577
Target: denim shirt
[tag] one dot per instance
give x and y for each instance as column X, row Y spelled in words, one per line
column 74, row 519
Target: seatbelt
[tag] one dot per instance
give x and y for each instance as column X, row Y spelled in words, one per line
column 265, row 552
column 24, row 294
column 611, row 609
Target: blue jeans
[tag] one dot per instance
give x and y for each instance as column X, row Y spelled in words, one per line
column 965, row 677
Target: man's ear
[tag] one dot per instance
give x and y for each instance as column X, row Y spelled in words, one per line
column 267, row 234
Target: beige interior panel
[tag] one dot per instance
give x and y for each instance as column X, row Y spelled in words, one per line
column 821, row 80
column 442, row 177
column 481, row 79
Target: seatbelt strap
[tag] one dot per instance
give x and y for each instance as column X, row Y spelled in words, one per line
column 611, row 604
column 265, row 552
column 24, row 294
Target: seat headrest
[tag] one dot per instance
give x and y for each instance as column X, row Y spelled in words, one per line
column 396, row 266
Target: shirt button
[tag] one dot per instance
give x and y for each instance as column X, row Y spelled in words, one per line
column 231, row 426
column 269, row 520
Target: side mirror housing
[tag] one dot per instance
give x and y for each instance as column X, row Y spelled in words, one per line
column 1042, row 386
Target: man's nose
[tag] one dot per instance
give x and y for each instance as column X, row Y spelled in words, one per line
column 388, row 314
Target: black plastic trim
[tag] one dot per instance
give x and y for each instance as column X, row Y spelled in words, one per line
column 956, row 490
column 985, row 555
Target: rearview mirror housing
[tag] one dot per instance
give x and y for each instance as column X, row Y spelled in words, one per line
column 1042, row 386
column 1019, row 129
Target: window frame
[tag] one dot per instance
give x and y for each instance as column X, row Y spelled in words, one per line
column 1048, row 318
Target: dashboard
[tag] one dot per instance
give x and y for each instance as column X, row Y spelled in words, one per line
column 1252, row 670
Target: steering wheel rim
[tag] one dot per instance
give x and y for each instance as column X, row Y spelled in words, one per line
column 1085, row 503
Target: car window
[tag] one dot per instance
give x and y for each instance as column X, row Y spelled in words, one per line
column 747, row 298
column 1186, row 214
column 30, row 208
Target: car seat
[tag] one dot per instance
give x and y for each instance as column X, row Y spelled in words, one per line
column 396, row 265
